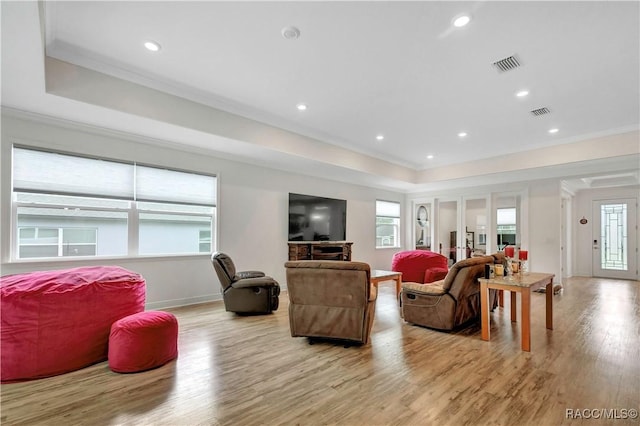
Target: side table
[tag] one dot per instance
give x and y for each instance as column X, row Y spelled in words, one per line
column 522, row 284
column 378, row 275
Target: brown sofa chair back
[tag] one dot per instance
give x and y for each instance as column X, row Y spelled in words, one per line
column 331, row 299
column 450, row 302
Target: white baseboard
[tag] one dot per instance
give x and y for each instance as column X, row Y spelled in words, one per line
column 173, row 303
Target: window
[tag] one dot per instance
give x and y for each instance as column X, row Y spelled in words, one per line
column 204, row 241
column 74, row 206
column 506, row 226
column 387, row 224
column 52, row 242
column 160, row 224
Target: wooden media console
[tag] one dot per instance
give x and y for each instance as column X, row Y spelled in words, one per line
column 320, row 250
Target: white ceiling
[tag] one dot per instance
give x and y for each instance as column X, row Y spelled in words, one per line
column 363, row 68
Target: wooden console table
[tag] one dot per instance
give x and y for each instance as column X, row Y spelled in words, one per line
column 320, row 250
column 522, row 284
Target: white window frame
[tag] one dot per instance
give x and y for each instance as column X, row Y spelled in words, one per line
column 132, row 213
column 205, row 240
column 386, row 210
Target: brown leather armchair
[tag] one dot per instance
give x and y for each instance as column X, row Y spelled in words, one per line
column 331, row 299
column 450, row 302
column 246, row 292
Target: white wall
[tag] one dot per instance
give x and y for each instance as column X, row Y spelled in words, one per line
column 544, row 228
column 539, row 217
column 583, row 234
column 252, row 211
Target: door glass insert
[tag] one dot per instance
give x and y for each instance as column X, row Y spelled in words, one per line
column 613, row 236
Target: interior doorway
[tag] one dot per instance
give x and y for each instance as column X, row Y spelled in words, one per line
column 450, row 244
column 475, row 225
column 615, row 239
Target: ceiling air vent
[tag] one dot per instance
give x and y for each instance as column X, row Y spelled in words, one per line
column 507, row 64
column 540, row 111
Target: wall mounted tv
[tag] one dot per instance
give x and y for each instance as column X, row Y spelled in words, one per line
column 314, row 218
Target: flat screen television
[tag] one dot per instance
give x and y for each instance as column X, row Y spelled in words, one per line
column 314, row 218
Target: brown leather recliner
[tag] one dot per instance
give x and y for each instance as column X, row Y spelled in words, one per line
column 246, row 292
column 331, row 299
column 451, row 302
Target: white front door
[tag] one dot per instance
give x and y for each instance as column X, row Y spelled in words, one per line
column 615, row 242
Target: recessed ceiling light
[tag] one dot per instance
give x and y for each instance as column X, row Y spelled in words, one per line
column 380, row 137
column 522, row 93
column 301, row 107
column 461, row 21
column 462, row 134
column 554, row 130
column 430, row 156
column 152, row 46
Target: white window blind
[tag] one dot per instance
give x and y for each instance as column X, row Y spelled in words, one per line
column 154, row 184
column 506, row 216
column 52, row 173
column 387, row 209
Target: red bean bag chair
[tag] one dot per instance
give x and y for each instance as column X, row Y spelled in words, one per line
column 420, row 266
column 143, row 341
column 54, row 322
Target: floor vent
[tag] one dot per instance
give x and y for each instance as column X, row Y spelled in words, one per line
column 507, row 64
column 540, row 111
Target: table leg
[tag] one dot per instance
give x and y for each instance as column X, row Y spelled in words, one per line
column 484, row 309
column 525, row 296
column 398, row 286
column 500, row 298
column 513, row 306
column 549, row 304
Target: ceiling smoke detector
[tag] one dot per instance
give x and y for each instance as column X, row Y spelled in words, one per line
column 290, row 33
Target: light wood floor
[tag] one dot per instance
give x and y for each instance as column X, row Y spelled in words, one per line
column 236, row 370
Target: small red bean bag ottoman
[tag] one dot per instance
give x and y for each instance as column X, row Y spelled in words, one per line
column 420, row 266
column 143, row 341
column 54, row 322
